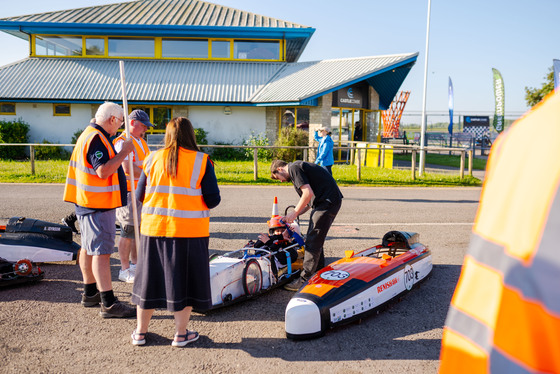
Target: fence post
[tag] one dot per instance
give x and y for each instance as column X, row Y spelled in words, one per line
column 305, row 154
column 382, row 161
column 413, row 165
column 470, row 162
column 32, row 158
column 359, row 169
column 462, row 168
column 255, row 165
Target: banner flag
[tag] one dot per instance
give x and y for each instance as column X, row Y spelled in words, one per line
column 556, row 65
column 499, row 93
column 450, row 90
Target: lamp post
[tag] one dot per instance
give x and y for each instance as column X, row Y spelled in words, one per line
column 423, row 128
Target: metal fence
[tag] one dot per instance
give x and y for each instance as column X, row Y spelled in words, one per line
column 354, row 153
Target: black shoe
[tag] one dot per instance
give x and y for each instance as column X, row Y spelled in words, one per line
column 117, row 310
column 70, row 222
column 295, row 285
column 89, row 301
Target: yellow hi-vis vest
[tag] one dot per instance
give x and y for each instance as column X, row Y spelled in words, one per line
column 83, row 185
column 139, row 155
column 505, row 313
column 174, row 207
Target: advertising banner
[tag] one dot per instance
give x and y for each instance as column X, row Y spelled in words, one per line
column 556, row 67
column 499, row 94
column 450, row 91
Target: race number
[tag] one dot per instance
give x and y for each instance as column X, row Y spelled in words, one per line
column 408, row 277
column 335, row 275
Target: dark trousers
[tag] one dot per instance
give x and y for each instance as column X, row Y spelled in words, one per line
column 320, row 222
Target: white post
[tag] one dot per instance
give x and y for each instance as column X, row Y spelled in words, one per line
column 423, row 128
column 130, row 162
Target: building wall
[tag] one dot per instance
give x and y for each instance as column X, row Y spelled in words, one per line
column 43, row 125
column 232, row 128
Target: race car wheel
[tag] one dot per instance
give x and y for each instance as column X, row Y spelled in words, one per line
column 252, row 278
column 23, row 267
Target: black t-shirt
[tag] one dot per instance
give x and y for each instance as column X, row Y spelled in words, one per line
column 321, row 181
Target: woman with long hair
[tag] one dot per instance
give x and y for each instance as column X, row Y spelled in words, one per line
column 178, row 188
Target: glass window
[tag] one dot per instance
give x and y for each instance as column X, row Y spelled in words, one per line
column 288, row 117
column 302, row 118
column 61, row 109
column 95, row 47
column 7, row 108
column 161, row 116
column 254, row 50
column 58, row 45
column 131, row 47
column 220, row 49
column 177, row 48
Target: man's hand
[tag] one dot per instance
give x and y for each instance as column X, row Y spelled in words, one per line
column 127, row 146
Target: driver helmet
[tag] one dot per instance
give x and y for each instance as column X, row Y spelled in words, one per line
column 275, row 223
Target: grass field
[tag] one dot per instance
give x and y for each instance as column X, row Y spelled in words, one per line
column 241, row 172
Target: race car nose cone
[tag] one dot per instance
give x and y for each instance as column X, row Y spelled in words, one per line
column 303, row 319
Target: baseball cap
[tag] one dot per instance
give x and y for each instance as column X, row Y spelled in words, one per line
column 140, row 115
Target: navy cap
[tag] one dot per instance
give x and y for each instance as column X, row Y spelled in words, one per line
column 140, row 115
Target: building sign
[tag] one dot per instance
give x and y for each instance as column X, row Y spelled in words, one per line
column 350, row 97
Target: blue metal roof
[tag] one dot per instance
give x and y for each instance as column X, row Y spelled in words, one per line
column 198, row 82
column 177, row 18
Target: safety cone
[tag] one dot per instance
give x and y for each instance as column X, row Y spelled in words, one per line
column 275, row 207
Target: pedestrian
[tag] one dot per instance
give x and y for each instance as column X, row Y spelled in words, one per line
column 96, row 184
column 325, row 149
column 178, row 188
column 319, row 192
column 139, row 123
column 358, row 131
column 504, row 316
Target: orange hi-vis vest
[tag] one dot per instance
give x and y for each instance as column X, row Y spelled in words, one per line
column 139, row 155
column 83, row 185
column 174, row 207
column 505, row 313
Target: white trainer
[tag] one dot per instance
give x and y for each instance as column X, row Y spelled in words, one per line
column 126, row 276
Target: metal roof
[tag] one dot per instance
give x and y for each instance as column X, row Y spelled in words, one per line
column 176, row 18
column 197, row 82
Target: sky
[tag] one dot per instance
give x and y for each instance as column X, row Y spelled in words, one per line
column 466, row 40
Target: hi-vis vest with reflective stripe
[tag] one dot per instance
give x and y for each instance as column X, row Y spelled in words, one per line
column 139, row 156
column 174, row 207
column 505, row 314
column 83, row 185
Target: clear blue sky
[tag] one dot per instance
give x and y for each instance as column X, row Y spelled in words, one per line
column 467, row 40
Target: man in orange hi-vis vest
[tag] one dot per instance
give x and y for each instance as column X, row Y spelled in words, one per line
column 96, row 184
column 505, row 313
column 139, row 123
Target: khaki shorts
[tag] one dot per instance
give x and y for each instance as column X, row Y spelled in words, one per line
column 126, row 219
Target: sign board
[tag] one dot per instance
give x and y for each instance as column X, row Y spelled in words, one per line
column 354, row 96
column 476, row 121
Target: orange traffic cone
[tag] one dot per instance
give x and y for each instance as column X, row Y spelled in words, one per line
column 275, row 207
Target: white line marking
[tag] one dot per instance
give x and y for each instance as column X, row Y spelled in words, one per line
column 368, row 224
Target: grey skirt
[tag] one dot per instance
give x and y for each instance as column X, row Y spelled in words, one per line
column 172, row 273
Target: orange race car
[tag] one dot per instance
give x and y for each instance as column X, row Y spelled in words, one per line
column 357, row 284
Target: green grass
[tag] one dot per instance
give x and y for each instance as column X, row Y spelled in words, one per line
column 445, row 160
column 241, row 173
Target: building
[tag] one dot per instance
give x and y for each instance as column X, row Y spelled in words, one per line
column 231, row 72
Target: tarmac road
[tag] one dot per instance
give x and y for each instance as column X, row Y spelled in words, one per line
column 43, row 327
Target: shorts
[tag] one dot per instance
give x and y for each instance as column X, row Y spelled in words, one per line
column 126, row 219
column 98, row 232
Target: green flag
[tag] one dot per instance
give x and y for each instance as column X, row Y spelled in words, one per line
column 499, row 93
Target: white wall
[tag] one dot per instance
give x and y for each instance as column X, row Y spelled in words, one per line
column 231, row 129
column 43, row 125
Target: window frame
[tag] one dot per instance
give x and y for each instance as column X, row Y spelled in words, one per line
column 62, row 114
column 8, row 113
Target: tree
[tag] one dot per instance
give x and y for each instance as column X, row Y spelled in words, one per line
column 535, row 95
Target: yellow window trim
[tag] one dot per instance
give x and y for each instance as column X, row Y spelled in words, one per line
column 158, row 48
column 131, row 107
column 9, row 113
column 62, row 114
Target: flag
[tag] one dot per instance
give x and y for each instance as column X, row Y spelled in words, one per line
column 499, row 94
column 556, row 67
column 450, row 90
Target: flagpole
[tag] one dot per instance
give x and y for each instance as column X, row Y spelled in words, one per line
column 423, row 128
column 130, row 161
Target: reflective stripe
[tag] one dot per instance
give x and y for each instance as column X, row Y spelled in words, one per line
column 175, row 212
column 174, row 190
column 82, row 168
column 470, row 328
column 196, row 169
column 148, row 163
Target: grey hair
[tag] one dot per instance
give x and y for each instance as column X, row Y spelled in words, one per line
column 106, row 110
